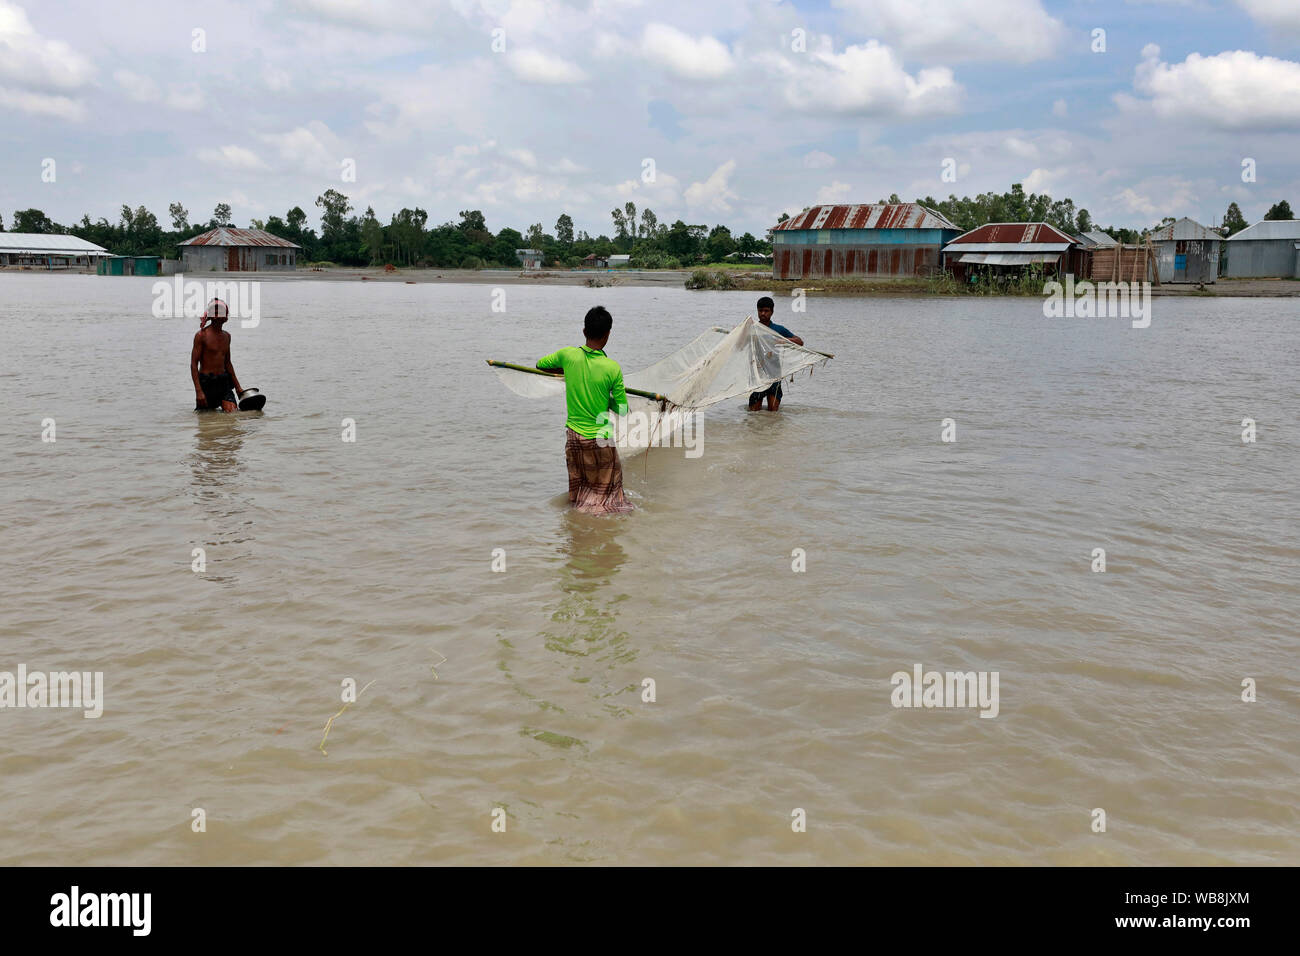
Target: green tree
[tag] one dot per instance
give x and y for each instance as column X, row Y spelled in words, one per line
column 472, row 220
column 564, row 230
column 1278, row 211
column 680, row 242
column 221, row 214
column 32, row 220
column 335, row 207
column 649, row 224
column 503, row 249
column 620, row 222
column 1084, row 221
column 1233, row 220
column 535, row 235
column 372, row 237
column 180, row 216
column 720, row 244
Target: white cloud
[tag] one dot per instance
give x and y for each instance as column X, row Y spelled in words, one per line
column 42, row 104
column 311, row 148
column 664, row 192
column 142, row 89
column 277, row 81
column 231, row 157
column 692, row 58
column 1281, row 14
column 713, row 194
column 1232, row 90
column 1020, row 31
column 1060, row 108
column 1020, row 148
column 188, row 97
column 1041, row 180
column 524, row 157
column 818, row 160
column 372, row 16
column 864, row 80
column 537, row 67
column 836, row 192
column 32, row 60
column 139, row 88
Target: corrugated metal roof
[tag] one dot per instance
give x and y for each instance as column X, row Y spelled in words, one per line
column 1101, row 239
column 1007, row 258
column 226, row 236
column 1015, row 236
column 31, row 243
column 1056, row 247
column 1184, row 229
column 1266, row 229
column 903, row 215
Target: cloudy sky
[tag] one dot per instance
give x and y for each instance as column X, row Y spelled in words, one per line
column 736, row 110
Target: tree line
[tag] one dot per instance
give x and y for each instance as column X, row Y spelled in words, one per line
column 407, row 239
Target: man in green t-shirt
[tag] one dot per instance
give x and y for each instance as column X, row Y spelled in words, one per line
column 593, row 387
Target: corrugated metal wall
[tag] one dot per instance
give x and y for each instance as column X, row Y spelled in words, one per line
column 801, row 261
column 246, row 259
column 1262, row 258
column 1187, row 260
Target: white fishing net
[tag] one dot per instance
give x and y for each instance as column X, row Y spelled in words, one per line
column 719, row 364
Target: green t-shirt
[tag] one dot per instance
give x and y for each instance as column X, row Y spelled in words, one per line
column 593, row 387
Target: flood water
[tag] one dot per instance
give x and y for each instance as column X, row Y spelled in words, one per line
column 523, row 689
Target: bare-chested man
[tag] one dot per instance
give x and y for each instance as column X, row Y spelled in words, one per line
column 210, row 367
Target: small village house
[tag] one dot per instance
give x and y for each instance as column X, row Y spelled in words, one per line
column 1268, row 249
column 877, row 240
column 529, row 258
column 226, row 249
column 1186, row 251
column 1004, row 247
column 45, row 251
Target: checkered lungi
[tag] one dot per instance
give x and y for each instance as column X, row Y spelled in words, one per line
column 595, row 476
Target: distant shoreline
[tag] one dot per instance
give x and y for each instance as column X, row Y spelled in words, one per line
column 676, row 278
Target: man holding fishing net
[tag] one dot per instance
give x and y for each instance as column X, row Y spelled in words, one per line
column 593, row 387
column 773, row 392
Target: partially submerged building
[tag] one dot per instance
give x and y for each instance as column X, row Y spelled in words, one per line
column 131, row 266
column 529, row 258
column 1013, row 246
column 1268, row 249
column 1186, row 251
column 35, row 250
column 226, row 249
column 878, row 240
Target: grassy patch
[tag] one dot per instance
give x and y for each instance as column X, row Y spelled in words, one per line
column 705, row 279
